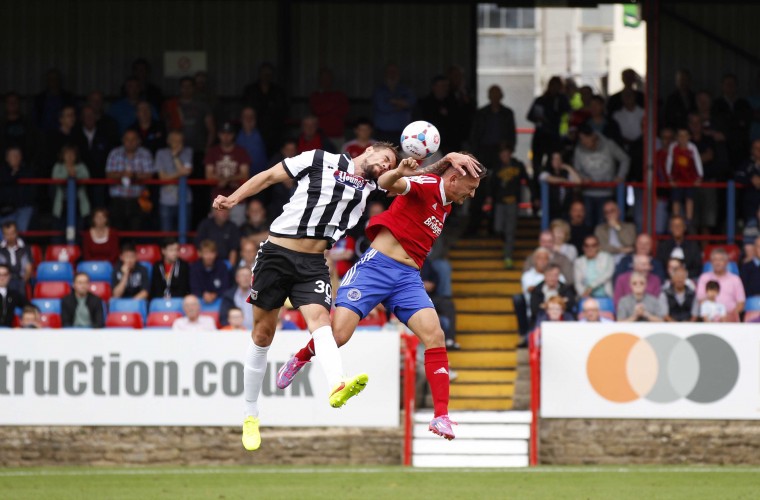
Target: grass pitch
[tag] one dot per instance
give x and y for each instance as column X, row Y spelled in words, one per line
column 379, row 483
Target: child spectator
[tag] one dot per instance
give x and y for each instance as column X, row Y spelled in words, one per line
column 506, row 195
column 553, row 310
column 684, row 164
column 209, row 277
column 129, row 279
column 30, row 317
column 234, row 320
column 171, row 275
column 363, row 132
column 710, row 310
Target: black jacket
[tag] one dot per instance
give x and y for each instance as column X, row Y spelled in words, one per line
column 692, row 255
column 94, row 305
column 8, row 305
column 177, row 286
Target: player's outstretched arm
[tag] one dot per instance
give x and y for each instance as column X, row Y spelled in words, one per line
column 393, row 181
column 464, row 163
column 252, row 186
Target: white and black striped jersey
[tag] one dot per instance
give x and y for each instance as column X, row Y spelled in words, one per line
column 329, row 198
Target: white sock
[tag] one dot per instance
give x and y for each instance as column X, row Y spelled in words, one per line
column 253, row 377
column 328, row 355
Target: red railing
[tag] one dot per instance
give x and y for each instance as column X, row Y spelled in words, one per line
column 534, row 359
column 410, row 378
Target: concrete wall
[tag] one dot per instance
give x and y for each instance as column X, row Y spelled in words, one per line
column 622, row 442
column 116, row 446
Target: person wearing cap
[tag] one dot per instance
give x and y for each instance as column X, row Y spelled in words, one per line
column 227, row 164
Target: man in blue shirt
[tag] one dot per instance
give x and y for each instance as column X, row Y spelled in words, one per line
column 750, row 273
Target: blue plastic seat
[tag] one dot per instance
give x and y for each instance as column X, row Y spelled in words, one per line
column 48, row 305
column 214, row 306
column 97, row 270
column 753, row 304
column 55, row 271
column 733, row 268
column 128, row 306
column 606, row 304
column 148, row 266
column 166, row 305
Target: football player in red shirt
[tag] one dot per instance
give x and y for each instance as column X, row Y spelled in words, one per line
column 389, row 273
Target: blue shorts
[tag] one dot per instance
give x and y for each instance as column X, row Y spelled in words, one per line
column 376, row 279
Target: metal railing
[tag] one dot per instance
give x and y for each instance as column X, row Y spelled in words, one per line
column 620, row 194
column 72, row 183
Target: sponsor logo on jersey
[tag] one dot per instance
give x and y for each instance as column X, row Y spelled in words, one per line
column 434, row 224
column 354, row 294
column 350, row 180
column 435, row 206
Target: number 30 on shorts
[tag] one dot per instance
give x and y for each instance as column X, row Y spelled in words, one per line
column 323, row 287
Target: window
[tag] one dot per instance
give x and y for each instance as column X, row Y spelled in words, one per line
column 490, row 15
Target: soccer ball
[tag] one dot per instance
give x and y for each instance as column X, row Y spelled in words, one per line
column 420, row 140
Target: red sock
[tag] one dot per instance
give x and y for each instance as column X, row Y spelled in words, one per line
column 437, row 373
column 307, row 352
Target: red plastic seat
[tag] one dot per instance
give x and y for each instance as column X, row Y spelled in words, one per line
column 149, row 253
column 36, row 255
column 188, row 252
column 102, row 289
column 73, row 253
column 213, row 315
column 295, row 317
column 124, row 320
column 51, row 290
column 162, row 319
column 732, row 251
column 50, row 320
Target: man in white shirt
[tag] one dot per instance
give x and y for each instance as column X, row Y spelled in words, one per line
column 193, row 321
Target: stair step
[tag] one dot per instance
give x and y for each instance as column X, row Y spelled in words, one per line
column 479, row 461
column 480, row 404
column 483, row 359
column 489, row 288
column 482, row 264
column 485, row 304
column 486, row 322
column 469, row 376
column 488, row 340
column 470, row 446
column 482, row 390
column 486, row 275
column 480, row 417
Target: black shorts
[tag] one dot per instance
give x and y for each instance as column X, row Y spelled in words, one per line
column 280, row 273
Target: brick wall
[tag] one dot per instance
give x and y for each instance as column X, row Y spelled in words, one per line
column 33, row 446
column 611, row 441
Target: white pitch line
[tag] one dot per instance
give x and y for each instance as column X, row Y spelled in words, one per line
column 536, row 470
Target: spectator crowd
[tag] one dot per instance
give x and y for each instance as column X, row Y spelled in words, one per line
column 592, row 258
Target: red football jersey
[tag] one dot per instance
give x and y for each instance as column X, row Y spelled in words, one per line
column 416, row 217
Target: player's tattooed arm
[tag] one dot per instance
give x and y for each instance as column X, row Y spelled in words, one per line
column 393, row 180
column 464, row 163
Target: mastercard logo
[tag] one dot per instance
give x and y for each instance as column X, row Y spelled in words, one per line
column 662, row 368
